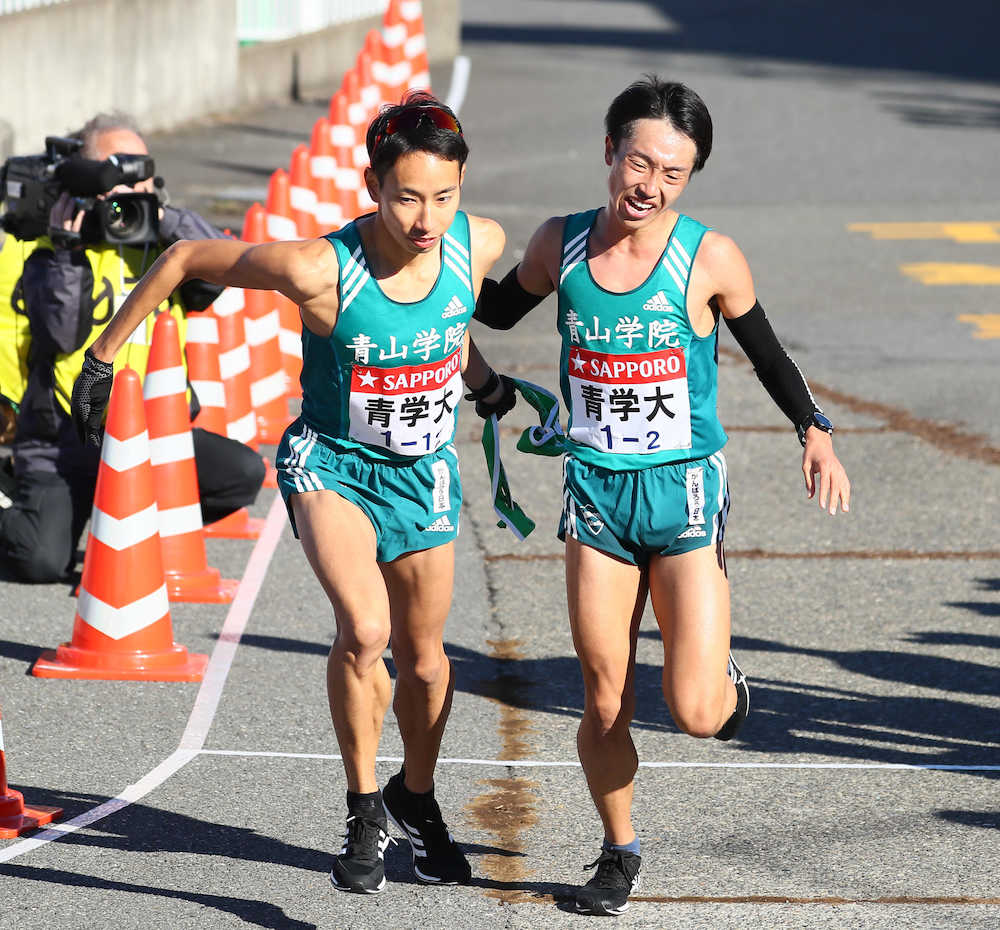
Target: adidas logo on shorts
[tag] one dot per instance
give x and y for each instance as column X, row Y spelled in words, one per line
column 440, row 525
column 658, row 303
column 455, row 308
column 693, row 532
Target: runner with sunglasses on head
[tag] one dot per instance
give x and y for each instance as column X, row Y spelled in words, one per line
column 369, row 472
column 641, row 289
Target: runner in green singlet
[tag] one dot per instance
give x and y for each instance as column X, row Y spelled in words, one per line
column 641, row 289
column 368, row 471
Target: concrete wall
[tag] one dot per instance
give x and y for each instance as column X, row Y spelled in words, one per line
column 166, row 62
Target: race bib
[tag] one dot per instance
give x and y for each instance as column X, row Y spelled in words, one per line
column 408, row 410
column 630, row 403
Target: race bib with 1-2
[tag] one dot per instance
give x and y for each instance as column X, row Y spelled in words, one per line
column 630, row 403
column 408, row 410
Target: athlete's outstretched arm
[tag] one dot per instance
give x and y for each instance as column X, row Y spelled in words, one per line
column 735, row 299
column 502, row 304
column 307, row 272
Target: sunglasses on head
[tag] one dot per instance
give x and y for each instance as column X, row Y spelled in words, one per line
column 412, row 117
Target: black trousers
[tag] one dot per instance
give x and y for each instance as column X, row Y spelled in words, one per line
column 39, row 534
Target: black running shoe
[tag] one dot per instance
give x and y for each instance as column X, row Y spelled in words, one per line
column 360, row 866
column 731, row 727
column 437, row 860
column 616, row 878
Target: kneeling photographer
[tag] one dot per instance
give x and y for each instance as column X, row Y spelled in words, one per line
column 97, row 249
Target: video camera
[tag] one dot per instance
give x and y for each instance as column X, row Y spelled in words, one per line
column 31, row 184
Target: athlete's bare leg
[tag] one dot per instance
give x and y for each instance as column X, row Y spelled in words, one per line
column 690, row 596
column 420, row 587
column 339, row 542
column 606, row 599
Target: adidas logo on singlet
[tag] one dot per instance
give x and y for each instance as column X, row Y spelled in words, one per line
column 658, row 303
column 455, row 308
column 440, row 525
column 693, row 532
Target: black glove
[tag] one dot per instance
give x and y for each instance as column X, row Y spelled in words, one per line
column 90, row 398
column 502, row 405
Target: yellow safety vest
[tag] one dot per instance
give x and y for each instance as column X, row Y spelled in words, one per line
column 117, row 270
column 15, row 337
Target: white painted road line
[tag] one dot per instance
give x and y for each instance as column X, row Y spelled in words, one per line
column 205, row 705
column 532, row 763
column 459, row 83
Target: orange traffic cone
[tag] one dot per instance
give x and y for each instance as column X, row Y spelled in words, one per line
column 302, row 197
column 416, row 44
column 234, row 367
column 15, row 818
column 371, row 93
column 394, row 36
column 122, row 629
column 164, row 391
column 201, row 348
column 269, row 377
column 376, row 52
column 323, row 174
column 343, row 140
column 289, row 321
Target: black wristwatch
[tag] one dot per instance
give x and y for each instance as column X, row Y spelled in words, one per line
column 815, row 418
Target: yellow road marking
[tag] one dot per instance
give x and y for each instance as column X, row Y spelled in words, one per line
column 952, row 273
column 956, row 232
column 987, row 324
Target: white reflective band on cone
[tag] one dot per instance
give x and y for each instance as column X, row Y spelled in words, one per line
column 323, row 166
column 177, row 520
column 268, row 389
column 281, row 227
column 164, row 383
column 234, row 362
column 119, row 534
column 261, row 328
column 230, row 301
column 244, row 429
column 290, row 342
column 202, row 328
column 210, row 393
column 123, row 454
column 119, row 622
column 177, row 447
column 302, row 198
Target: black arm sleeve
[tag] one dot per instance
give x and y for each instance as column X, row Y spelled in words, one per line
column 777, row 372
column 186, row 224
column 502, row 305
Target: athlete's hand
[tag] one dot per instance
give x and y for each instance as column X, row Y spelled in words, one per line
column 824, row 473
column 499, row 400
column 91, row 391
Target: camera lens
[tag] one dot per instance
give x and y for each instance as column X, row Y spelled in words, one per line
column 122, row 218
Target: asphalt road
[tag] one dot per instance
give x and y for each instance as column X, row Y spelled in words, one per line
column 855, row 163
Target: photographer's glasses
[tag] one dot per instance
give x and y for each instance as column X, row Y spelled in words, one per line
column 412, row 117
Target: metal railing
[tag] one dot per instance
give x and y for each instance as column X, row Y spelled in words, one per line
column 273, row 20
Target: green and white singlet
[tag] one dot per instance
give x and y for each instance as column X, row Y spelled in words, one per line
column 640, row 385
column 387, row 381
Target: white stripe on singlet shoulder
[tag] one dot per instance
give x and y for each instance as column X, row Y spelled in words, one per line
column 457, row 246
column 681, row 253
column 571, row 245
column 574, row 260
column 348, row 298
column 354, row 266
column 680, row 281
column 459, row 273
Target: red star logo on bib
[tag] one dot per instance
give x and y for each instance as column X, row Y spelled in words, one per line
column 367, row 378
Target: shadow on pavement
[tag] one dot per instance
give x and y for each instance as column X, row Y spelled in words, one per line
column 257, row 913
column 853, row 34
